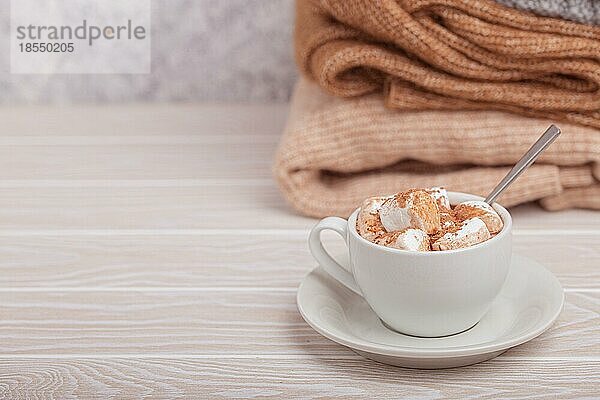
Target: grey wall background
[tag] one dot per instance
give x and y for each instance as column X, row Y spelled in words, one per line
column 202, row 50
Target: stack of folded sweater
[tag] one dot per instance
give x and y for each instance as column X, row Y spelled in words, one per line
column 406, row 93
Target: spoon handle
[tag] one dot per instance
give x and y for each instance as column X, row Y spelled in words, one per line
column 532, row 154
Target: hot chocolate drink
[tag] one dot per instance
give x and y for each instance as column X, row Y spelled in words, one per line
column 424, row 220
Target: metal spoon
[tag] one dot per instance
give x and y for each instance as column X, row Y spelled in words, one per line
column 532, row 154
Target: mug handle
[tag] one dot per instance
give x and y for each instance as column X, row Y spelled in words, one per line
column 332, row 267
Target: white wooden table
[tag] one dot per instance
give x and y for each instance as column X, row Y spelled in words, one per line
column 146, row 253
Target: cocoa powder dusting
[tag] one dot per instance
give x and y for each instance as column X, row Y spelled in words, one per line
column 464, row 213
column 449, row 223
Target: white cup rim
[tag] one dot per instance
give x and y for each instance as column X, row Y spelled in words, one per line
column 503, row 212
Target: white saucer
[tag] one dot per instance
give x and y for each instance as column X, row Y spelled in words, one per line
column 528, row 304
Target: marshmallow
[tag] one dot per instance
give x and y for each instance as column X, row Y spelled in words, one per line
column 440, row 195
column 411, row 209
column 407, row 239
column 471, row 232
column 481, row 210
column 368, row 223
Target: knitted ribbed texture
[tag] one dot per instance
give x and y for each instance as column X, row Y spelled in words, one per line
column 336, row 152
column 452, row 55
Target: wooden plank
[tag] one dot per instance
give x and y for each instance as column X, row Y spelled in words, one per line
column 233, row 159
column 353, row 378
column 574, row 259
column 227, row 259
column 214, row 206
column 195, row 207
column 209, row 322
column 154, row 260
column 139, row 142
column 532, row 216
column 143, row 120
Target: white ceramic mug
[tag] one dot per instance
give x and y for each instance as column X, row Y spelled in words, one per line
column 428, row 294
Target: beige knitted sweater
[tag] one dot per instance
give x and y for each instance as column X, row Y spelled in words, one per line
column 336, row 152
